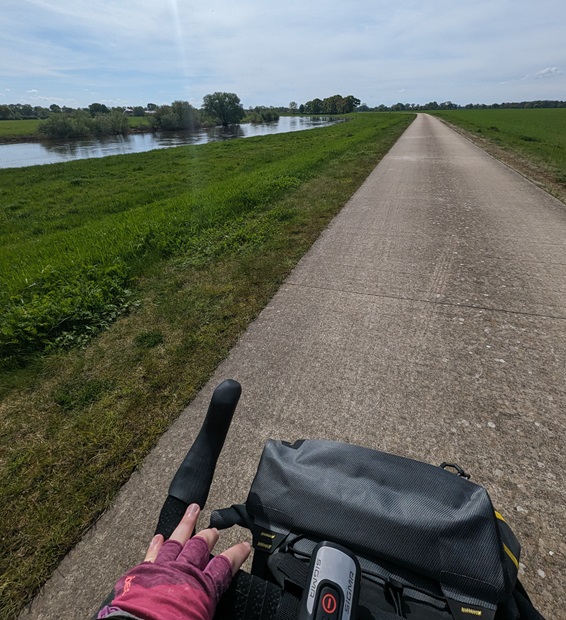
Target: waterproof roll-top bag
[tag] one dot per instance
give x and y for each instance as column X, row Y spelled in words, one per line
column 419, row 517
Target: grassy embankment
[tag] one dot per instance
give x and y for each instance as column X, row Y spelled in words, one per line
column 533, row 141
column 202, row 237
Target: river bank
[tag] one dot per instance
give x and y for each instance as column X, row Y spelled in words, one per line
column 35, row 137
column 14, row 132
column 143, row 138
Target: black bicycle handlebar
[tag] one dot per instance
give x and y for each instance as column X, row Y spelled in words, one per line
column 191, row 483
column 248, row 597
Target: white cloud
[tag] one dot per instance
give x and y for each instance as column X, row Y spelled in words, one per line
column 54, row 100
column 543, row 73
column 271, row 53
column 548, row 72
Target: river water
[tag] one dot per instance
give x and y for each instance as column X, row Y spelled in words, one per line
column 32, row 153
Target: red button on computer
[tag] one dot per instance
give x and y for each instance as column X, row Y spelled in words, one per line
column 329, row 603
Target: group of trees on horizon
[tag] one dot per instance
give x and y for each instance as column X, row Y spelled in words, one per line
column 97, row 119
column 448, row 105
column 219, row 108
column 331, row 105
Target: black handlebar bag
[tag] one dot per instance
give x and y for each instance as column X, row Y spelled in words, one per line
column 426, row 538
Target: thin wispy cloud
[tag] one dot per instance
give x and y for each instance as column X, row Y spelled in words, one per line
column 548, row 72
column 272, row 53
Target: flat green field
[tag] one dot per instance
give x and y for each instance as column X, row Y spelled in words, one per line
column 11, row 131
column 537, row 136
column 138, row 121
column 18, row 129
column 124, row 282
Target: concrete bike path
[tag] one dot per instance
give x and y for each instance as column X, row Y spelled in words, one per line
column 428, row 320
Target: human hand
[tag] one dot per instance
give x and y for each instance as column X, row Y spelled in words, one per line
column 176, row 579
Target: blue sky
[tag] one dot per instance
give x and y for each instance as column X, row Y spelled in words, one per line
column 121, row 52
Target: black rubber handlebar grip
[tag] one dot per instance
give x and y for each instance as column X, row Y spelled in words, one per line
column 171, row 513
column 191, row 483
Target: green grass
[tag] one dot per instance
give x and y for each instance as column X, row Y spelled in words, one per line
column 12, row 131
column 139, row 121
column 202, row 237
column 19, row 129
column 537, row 137
column 72, row 235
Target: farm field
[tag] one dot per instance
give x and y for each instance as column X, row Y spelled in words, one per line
column 138, row 121
column 177, row 250
column 531, row 140
column 14, row 131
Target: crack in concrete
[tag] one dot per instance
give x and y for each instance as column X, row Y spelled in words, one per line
column 429, row 301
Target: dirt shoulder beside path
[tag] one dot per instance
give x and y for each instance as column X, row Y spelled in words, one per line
column 536, row 173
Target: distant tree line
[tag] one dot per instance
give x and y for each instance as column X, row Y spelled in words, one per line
column 262, row 115
column 24, row 111
column 331, row 105
column 98, row 120
column 226, row 108
column 448, row 105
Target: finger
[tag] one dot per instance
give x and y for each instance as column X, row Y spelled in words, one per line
column 210, row 535
column 186, row 526
column 218, row 573
column 168, row 552
column 195, row 553
column 237, row 555
column 153, row 549
column 197, row 550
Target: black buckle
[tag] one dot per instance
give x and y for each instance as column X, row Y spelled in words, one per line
column 458, row 470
